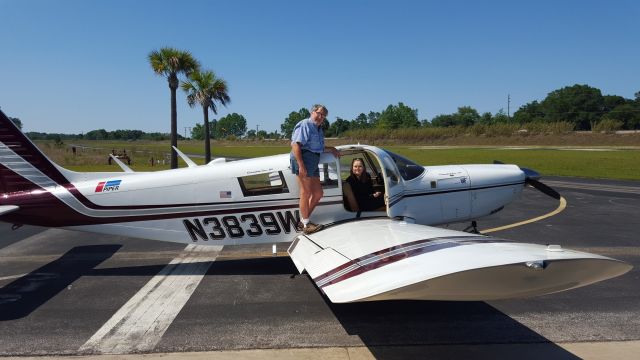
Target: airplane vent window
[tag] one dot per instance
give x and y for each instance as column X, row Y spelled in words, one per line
column 263, row 184
column 407, row 168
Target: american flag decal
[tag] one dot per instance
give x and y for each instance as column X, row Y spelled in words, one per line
column 225, row 194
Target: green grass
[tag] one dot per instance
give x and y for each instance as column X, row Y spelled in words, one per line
column 613, row 164
column 606, row 163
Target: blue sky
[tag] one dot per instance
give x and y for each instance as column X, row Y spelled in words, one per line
column 71, row 66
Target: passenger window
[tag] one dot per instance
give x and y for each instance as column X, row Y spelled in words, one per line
column 263, row 184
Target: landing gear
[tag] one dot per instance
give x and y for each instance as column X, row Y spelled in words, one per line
column 473, row 228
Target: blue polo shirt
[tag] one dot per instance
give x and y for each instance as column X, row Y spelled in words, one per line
column 307, row 133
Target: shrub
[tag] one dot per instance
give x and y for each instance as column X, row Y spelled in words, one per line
column 607, row 126
column 501, row 129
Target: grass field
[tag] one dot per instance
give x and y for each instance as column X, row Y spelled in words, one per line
column 601, row 162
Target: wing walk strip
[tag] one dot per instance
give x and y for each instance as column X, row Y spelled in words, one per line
column 141, row 322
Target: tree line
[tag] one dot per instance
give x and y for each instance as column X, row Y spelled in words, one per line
column 102, row 134
column 581, row 106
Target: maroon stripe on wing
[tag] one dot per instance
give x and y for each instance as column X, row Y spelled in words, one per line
column 413, row 249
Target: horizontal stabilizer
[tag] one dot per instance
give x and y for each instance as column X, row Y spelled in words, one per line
column 124, row 167
column 184, row 157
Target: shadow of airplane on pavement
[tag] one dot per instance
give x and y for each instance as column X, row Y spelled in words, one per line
column 22, row 296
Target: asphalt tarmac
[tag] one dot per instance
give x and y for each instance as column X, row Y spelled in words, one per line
column 71, row 293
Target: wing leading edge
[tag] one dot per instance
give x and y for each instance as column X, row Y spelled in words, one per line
column 385, row 259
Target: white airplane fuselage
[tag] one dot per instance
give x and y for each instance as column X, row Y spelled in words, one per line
column 256, row 200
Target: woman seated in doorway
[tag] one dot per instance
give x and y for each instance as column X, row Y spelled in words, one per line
column 362, row 186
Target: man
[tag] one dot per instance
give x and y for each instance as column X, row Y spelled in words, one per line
column 307, row 143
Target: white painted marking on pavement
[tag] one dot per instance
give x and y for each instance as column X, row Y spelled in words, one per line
column 141, row 322
column 11, row 277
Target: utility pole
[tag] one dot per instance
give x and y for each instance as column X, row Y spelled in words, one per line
column 185, row 131
column 508, row 106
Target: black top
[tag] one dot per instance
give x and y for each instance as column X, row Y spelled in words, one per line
column 363, row 191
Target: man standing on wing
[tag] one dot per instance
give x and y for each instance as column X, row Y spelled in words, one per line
column 307, row 143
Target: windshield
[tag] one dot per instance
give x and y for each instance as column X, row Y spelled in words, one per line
column 407, row 168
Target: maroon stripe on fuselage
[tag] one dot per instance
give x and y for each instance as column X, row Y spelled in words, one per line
column 428, row 245
column 44, row 209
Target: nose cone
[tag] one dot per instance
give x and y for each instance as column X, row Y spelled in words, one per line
column 530, row 174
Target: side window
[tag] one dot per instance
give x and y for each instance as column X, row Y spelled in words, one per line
column 263, row 184
column 328, row 175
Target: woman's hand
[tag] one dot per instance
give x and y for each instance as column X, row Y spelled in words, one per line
column 376, row 194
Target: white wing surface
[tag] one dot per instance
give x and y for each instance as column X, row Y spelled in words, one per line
column 385, row 259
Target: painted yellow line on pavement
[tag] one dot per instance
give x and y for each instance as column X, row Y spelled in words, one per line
column 561, row 207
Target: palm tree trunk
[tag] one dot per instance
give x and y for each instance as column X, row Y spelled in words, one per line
column 174, row 128
column 207, row 137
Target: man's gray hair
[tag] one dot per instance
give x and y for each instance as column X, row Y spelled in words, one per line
column 318, row 107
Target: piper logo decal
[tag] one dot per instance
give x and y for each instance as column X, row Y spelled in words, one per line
column 105, row 186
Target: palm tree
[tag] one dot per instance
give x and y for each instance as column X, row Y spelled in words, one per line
column 205, row 89
column 170, row 62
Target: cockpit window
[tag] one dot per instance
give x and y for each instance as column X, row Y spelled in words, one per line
column 407, row 168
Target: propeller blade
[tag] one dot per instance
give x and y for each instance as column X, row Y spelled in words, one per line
column 530, row 174
column 543, row 188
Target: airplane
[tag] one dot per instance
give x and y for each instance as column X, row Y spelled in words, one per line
column 393, row 253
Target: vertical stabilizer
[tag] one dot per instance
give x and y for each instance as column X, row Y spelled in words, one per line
column 23, row 166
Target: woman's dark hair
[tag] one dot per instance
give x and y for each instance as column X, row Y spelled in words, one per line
column 365, row 177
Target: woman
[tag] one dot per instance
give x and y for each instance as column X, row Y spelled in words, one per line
column 360, row 181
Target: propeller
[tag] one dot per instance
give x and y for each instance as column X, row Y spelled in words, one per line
column 532, row 178
column 543, row 188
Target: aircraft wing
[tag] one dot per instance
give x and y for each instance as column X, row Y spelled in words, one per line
column 385, row 259
column 5, row 209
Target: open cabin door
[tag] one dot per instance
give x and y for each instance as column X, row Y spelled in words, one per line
column 392, row 185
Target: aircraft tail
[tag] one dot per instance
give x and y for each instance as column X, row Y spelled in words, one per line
column 23, row 166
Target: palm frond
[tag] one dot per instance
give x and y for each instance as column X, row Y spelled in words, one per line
column 204, row 88
column 170, row 61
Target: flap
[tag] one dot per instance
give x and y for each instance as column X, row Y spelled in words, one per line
column 309, row 256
